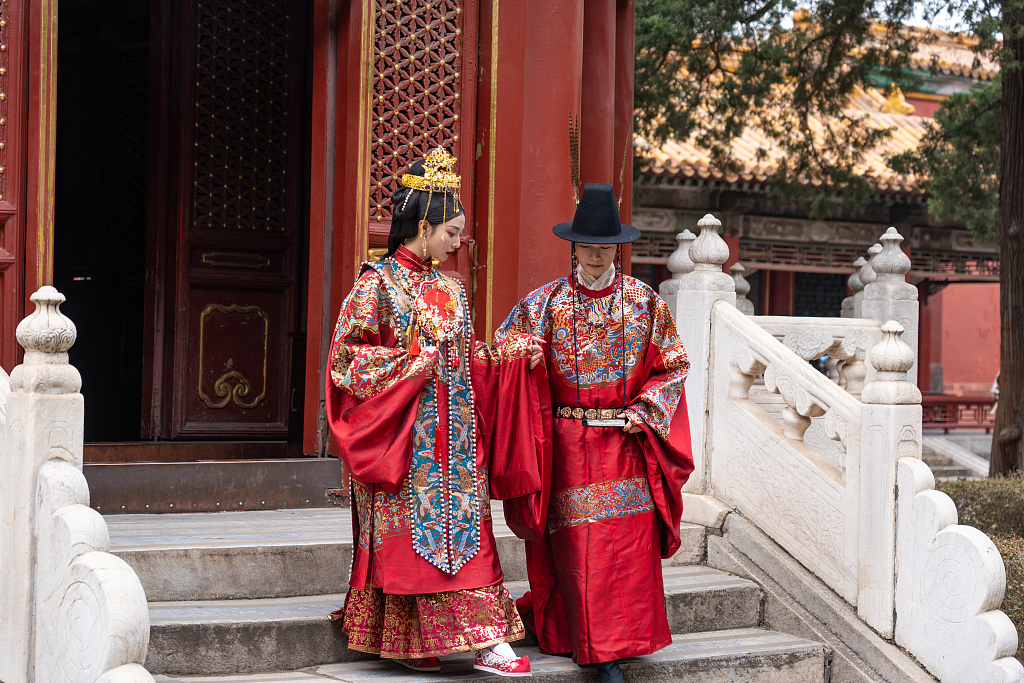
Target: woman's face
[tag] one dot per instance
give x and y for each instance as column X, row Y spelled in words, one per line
column 595, row 258
column 445, row 238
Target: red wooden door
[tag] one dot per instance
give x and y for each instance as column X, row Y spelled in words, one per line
column 232, row 223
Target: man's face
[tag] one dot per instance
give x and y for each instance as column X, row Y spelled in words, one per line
column 595, row 258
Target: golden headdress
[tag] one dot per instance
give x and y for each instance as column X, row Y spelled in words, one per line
column 437, row 176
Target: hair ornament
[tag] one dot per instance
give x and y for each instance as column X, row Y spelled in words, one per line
column 437, row 175
column 574, row 157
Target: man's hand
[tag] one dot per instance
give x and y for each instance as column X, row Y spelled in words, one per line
column 537, row 352
column 630, row 427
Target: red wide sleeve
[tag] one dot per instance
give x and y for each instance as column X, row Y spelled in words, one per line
column 373, row 387
column 669, row 463
column 514, row 411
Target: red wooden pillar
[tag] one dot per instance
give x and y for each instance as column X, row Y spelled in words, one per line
column 924, row 338
column 42, row 135
column 597, row 98
column 536, row 86
column 778, row 290
column 733, row 242
column 625, row 59
column 342, row 36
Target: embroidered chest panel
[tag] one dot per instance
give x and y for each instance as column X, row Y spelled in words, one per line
column 603, row 354
column 443, row 510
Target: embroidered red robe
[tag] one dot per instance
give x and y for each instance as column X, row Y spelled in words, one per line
column 615, row 503
column 387, row 396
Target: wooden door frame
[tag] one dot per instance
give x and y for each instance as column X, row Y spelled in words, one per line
column 27, row 117
column 21, row 266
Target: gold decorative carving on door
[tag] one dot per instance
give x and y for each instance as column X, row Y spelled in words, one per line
column 223, row 386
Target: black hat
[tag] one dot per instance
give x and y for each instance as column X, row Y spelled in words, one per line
column 597, row 219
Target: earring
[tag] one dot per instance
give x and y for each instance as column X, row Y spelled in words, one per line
column 423, row 237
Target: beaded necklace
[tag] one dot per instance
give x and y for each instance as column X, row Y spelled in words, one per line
column 445, row 538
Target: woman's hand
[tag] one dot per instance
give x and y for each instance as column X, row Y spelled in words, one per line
column 536, row 351
column 630, row 428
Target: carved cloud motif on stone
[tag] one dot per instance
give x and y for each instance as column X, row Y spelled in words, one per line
column 809, row 344
column 765, row 476
column 949, row 584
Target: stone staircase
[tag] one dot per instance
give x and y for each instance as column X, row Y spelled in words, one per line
column 948, row 460
column 244, row 596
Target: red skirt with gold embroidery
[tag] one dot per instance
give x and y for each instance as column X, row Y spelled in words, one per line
column 430, row 625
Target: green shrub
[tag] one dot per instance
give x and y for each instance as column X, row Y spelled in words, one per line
column 996, row 506
column 1012, row 550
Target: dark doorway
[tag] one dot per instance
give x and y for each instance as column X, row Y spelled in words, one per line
column 100, row 203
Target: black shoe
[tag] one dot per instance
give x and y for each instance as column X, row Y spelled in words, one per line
column 609, row 672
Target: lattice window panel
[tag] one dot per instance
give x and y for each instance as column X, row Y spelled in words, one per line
column 755, row 253
column 416, row 89
column 654, row 248
column 241, row 114
column 946, row 263
column 819, row 295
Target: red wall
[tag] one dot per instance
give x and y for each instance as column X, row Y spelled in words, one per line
column 542, row 79
column 966, row 336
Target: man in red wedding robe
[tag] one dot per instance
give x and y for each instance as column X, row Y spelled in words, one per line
column 615, row 491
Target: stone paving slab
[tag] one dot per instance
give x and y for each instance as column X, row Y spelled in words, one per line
column 750, row 655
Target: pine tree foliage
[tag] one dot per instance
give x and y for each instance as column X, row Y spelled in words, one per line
column 707, row 69
column 960, row 159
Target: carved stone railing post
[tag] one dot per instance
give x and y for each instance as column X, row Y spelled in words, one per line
column 71, row 611
column 699, row 291
column 890, row 429
column 742, row 289
column 679, row 264
column 890, row 296
column 856, row 286
column 866, row 275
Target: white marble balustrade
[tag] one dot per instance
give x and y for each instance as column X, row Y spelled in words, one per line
column 934, row 587
column 72, row 612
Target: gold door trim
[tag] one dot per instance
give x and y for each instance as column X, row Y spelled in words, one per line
column 222, row 386
column 226, row 259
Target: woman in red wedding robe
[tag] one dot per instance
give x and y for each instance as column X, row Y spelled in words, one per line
column 412, row 400
column 615, row 503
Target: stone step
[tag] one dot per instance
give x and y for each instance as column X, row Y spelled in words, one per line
column 748, row 655
column 229, row 636
column 950, row 471
column 277, row 553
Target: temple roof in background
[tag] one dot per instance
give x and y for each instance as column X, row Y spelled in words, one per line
column 686, row 163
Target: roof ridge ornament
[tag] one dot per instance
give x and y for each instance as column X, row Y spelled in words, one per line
column 896, row 103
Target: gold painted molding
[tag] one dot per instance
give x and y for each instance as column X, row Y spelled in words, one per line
column 223, row 259
column 492, row 165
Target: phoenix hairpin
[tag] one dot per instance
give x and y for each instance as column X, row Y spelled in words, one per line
column 437, row 176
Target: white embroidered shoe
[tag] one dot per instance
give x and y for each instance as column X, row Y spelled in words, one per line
column 488, row 661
